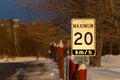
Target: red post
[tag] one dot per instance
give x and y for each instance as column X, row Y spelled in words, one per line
column 57, row 54
column 61, row 60
column 82, row 72
column 55, row 50
column 73, row 66
column 51, row 49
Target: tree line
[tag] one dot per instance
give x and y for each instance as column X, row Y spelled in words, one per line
column 106, row 13
column 33, row 39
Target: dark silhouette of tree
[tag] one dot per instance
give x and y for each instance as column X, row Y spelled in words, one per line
column 35, row 38
column 44, row 33
column 5, row 43
column 106, row 13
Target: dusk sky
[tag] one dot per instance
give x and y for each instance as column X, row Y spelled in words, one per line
column 10, row 10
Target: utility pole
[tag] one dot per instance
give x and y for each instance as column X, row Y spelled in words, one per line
column 15, row 26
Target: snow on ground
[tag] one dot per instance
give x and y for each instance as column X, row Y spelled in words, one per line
column 41, row 69
column 18, row 59
column 47, row 69
column 44, row 70
column 110, row 69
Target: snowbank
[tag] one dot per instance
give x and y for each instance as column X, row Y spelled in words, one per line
column 19, row 59
column 110, row 69
column 47, row 69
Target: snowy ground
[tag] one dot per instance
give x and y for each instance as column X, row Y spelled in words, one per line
column 43, row 69
column 110, row 69
column 46, row 69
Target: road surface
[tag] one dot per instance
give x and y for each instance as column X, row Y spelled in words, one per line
column 8, row 69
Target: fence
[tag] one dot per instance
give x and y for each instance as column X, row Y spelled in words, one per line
column 68, row 68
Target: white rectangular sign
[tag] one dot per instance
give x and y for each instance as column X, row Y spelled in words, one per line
column 83, row 33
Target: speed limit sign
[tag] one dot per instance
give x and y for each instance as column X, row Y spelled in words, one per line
column 83, row 37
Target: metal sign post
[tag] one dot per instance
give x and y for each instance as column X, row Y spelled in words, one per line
column 83, row 41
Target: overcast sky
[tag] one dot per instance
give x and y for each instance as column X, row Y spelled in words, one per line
column 8, row 9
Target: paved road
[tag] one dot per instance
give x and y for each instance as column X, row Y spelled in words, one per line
column 8, row 69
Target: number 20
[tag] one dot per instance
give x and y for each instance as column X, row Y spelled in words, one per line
column 85, row 38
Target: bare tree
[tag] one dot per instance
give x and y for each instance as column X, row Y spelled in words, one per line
column 106, row 13
column 43, row 34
